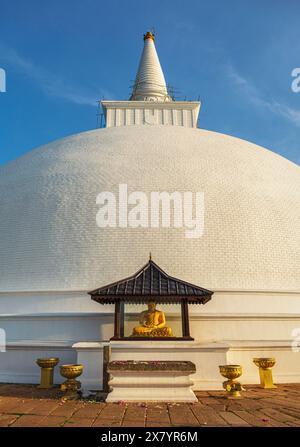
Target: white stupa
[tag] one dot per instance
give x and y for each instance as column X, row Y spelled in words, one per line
column 53, row 252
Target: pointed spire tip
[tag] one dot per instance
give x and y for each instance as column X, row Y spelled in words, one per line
column 150, row 84
column 149, row 35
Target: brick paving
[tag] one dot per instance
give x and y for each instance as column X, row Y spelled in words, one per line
column 27, row 406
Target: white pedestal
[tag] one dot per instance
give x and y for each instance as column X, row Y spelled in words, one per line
column 151, row 385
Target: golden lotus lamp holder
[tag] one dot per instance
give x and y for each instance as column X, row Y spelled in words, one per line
column 265, row 365
column 232, row 387
column 47, row 371
column 71, row 386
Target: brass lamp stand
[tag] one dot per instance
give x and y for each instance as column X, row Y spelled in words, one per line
column 232, row 387
column 47, row 370
column 71, row 386
column 265, row 372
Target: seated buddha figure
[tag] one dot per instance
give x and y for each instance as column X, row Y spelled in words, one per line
column 152, row 323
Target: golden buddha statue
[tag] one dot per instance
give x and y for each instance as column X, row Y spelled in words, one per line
column 153, row 323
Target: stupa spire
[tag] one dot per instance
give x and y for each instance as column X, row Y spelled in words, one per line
column 150, row 103
column 150, row 84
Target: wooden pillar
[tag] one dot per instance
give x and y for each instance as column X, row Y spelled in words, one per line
column 119, row 319
column 185, row 319
column 122, row 319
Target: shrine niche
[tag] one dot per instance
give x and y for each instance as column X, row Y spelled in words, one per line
column 150, row 294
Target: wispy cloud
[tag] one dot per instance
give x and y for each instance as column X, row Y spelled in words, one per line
column 254, row 96
column 50, row 83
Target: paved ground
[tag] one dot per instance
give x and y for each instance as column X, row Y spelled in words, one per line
column 26, row 406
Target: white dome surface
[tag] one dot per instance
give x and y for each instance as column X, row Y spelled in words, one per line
column 49, row 239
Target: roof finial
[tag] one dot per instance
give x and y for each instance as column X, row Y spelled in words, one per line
column 150, row 257
column 149, row 35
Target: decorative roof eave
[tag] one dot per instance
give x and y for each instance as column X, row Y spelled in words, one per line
column 151, row 283
column 142, row 299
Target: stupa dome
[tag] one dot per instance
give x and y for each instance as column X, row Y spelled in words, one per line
column 49, row 239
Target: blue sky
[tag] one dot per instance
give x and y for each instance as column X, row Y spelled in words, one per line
column 60, row 57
